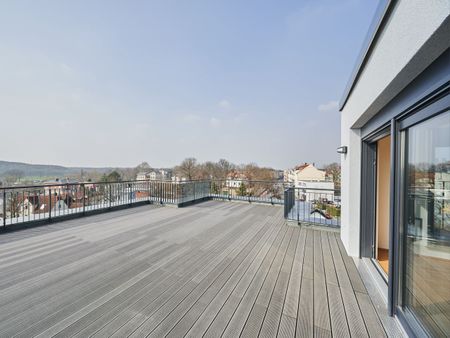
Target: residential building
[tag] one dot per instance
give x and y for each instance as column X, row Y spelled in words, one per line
column 395, row 146
column 41, row 203
column 304, row 172
column 165, row 174
column 178, row 179
column 153, row 175
column 59, row 206
column 235, row 179
column 312, row 183
column 142, row 176
column 60, row 185
column 313, row 190
column 29, row 206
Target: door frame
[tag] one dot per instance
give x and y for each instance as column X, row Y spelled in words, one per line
column 418, row 111
column 436, row 105
column 369, row 192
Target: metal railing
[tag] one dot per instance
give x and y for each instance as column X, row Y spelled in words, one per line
column 46, row 202
column 313, row 206
column 248, row 190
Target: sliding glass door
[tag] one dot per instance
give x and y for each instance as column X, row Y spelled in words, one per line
column 426, row 262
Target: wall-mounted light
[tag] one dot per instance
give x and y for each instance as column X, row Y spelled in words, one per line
column 342, row 150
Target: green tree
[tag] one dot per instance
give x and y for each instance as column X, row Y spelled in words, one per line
column 113, row 176
column 242, row 190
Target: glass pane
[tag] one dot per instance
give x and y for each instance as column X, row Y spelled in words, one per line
column 427, row 278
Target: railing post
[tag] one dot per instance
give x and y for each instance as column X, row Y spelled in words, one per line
column 177, row 193
column 84, row 198
column 110, row 195
column 4, row 207
column 286, row 201
column 50, row 204
column 130, row 194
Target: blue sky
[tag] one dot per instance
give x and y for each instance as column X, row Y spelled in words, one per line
column 115, row 83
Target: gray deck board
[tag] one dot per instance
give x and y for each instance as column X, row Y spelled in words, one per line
column 275, row 309
column 213, row 269
column 233, row 315
column 210, row 309
column 258, row 313
column 321, row 308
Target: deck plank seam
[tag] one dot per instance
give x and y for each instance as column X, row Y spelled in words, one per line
column 269, row 259
column 261, row 286
column 233, row 252
column 258, row 247
column 272, row 236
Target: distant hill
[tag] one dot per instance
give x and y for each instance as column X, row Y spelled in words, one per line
column 45, row 170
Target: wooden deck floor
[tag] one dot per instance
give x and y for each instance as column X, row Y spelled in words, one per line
column 213, row 269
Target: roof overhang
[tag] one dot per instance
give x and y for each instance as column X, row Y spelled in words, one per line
column 382, row 13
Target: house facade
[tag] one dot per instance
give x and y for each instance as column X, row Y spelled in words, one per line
column 60, row 186
column 395, row 146
column 311, row 183
column 235, row 179
column 142, row 176
column 304, row 172
column 153, row 175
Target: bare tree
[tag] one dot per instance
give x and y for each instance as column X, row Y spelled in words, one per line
column 12, row 203
column 253, row 172
column 215, row 170
column 207, row 170
column 223, row 168
column 333, row 170
column 188, row 168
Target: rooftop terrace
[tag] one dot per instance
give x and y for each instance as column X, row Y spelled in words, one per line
column 211, row 269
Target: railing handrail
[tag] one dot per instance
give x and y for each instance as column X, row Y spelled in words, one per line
column 313, row 188
column 63, row 184
column 107, row 195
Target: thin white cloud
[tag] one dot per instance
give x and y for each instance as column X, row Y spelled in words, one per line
column 215, row 122
column 224, row 103
column 331, row 105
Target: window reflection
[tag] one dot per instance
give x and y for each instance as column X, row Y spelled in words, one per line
column 427, row 278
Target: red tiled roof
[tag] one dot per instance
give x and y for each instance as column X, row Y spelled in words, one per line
column 301, row 166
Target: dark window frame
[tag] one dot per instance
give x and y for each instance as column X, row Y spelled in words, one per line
column 438, row 104
column 418, row 111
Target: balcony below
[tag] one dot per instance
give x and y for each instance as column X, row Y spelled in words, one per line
column 211, row 269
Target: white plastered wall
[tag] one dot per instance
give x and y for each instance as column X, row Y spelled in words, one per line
column 415, row 34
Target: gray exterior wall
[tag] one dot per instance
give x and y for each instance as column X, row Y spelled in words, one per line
column 413, row 35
